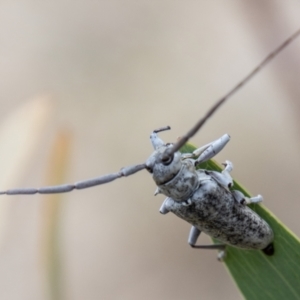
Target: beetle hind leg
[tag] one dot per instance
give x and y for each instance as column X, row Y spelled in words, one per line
column 193, row 236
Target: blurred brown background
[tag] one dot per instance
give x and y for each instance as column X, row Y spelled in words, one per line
column 116, row 70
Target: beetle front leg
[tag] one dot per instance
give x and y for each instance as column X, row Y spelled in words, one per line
column 210, row 150
column 193, row 237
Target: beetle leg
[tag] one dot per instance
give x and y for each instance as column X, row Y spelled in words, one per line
column 193, row 236
column 155, row 140
column 163, row 209
column 241, row 198
column 210, row 150
column 223, row 178
column 221, row 255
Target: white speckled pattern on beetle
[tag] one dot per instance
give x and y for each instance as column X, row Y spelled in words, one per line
column 216, row 212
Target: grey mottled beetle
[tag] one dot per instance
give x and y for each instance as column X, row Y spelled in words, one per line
column 201, row 197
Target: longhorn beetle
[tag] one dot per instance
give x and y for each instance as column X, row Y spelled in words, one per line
column 205, row 199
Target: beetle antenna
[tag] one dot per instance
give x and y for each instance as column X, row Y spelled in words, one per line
column 215, row 107
column 126, row 171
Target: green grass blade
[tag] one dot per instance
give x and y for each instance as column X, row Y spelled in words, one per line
column 259, row 276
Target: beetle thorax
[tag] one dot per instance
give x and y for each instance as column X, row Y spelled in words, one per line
column 183, row 185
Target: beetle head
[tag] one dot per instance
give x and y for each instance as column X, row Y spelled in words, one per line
column 163, row 169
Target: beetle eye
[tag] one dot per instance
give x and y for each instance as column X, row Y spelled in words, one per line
column 167, row 160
